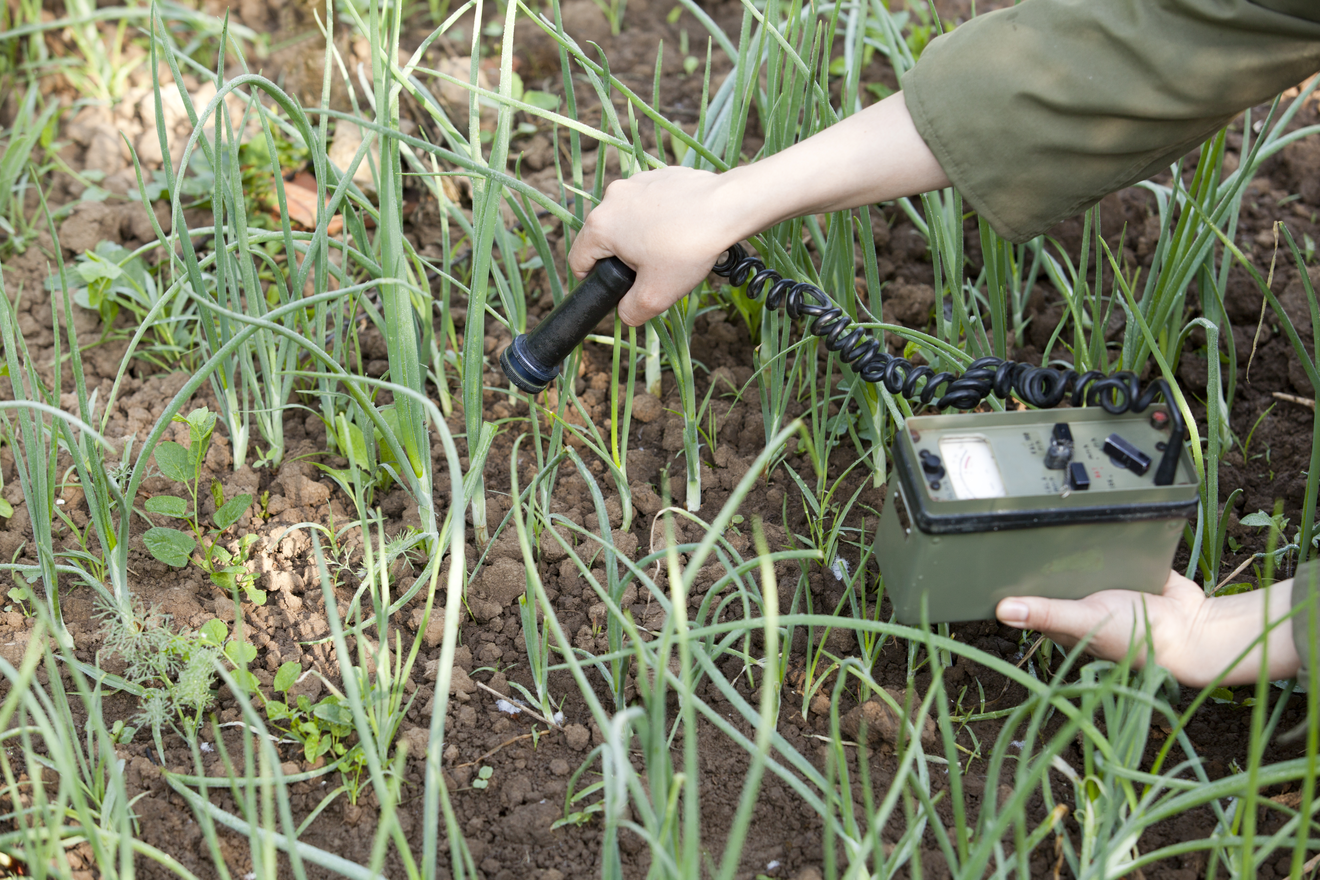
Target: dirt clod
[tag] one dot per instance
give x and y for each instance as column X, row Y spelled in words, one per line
column 577, row 737
column 503, row 581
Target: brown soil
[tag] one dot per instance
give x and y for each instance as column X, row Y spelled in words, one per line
column 507, row 825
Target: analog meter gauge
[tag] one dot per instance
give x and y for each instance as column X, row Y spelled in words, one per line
column 973, row 471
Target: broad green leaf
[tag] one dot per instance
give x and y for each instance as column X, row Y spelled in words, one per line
column 200, row 422
column 167, row 505
column 333, row 712
column 255, row 596
column 245, row 680
column 6, row 509
column 230, row 512
column 287, row 675
column 224, row 579
column 352, row 442
column 175, row 462
column 170, row 546
column 541, row 100
column 93, row 271
column 214, row 631
column 276, row 711
column 88, row 298
column 240, row 652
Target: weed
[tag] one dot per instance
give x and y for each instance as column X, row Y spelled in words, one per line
column 177, row 670
column 227, row 568
column 111, row 277
column 22, row 596
column 320, row 727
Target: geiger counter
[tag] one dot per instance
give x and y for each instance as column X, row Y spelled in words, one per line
column 980, row 506
column 1061, row 504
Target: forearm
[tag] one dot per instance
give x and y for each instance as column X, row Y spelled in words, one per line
column 873, row 156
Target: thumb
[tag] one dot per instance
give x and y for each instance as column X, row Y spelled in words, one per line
column 1061, row 619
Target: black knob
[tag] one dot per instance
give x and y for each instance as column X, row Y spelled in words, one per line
column 1059, row 453
column 1078, row 478
column 532, row 361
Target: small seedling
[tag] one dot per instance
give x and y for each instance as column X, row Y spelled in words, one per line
column 109, row 278
column 1261, row 520
column 22, row 596
column 577, row 811
column 121, row 733
column 483, row 777
column 321, row 727
column 228, row 570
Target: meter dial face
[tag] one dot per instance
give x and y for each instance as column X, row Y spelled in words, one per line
column 973, row 472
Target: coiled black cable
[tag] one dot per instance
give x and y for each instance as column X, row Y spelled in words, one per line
column 1040, row 387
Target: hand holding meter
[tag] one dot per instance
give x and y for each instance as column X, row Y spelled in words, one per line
column 981, row 505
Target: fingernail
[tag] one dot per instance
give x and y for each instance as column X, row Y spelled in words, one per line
column 1013, row 612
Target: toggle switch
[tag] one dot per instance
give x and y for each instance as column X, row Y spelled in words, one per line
column 1125, row 455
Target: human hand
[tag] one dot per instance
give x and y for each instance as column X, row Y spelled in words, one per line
column 669, row 225
column 672, row 224
column 1194, row 637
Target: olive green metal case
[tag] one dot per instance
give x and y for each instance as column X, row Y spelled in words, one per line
column 973, row 514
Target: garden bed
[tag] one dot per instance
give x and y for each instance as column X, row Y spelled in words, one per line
column 512, row 776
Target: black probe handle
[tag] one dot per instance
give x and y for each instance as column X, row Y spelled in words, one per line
column 532, row 361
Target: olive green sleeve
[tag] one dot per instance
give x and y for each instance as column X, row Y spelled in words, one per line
column 1038, row 111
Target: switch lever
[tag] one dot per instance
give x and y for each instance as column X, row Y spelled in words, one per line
column 1124, row 454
